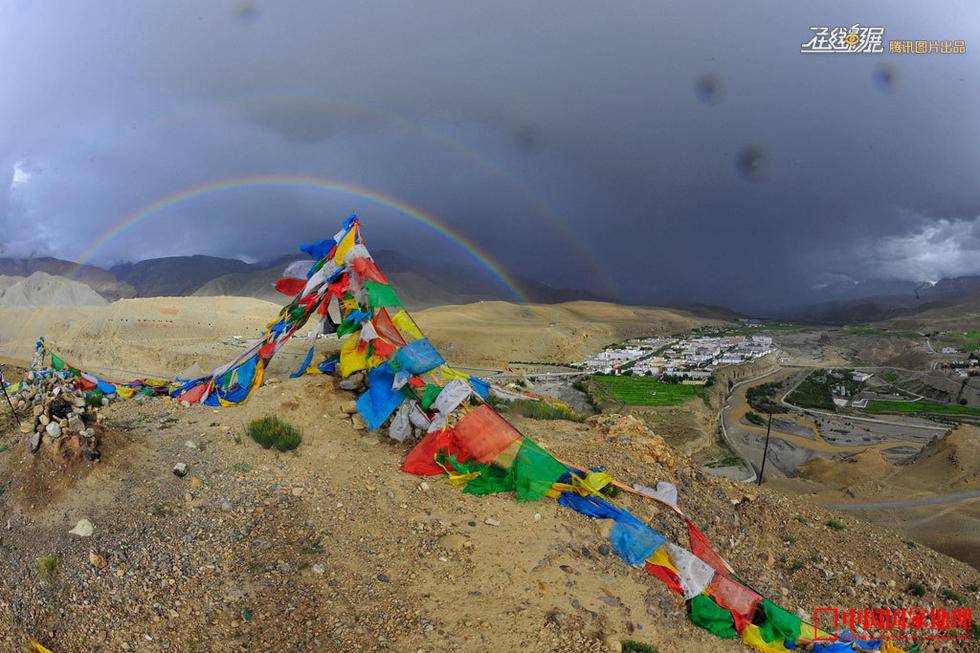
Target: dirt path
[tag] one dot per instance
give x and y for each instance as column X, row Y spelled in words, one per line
column 947, row 498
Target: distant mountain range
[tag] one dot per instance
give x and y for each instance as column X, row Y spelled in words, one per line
column 422, row 283
column 873, row 301
column 101, row 281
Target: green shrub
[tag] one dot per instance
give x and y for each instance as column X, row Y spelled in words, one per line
column 271, row 433
column 836, row 525
column 543, row 410
column 48, row 566
column 917, row 589
column 629, row 646
column 94, row 399
column 953, row 596
column 755, row 418
column 973, row 587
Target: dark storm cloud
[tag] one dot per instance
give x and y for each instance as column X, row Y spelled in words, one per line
column 683, row 152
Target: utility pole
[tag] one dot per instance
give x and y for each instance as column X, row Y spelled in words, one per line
column 765, row 451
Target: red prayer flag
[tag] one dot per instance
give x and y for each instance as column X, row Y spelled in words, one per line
column 368, row 270
column 291, row 287
column 735, row 597
column 84, row 384
column 666, row 575
column 483, row 434
column 386, row 328
column 193, row 395
column 703, row 550
column 421, row 460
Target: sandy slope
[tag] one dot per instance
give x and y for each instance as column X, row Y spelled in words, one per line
column 492, row 333
column 226, row 562
column 42, row 289
column 161, row 336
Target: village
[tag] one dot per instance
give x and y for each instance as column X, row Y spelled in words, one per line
column 689, row 358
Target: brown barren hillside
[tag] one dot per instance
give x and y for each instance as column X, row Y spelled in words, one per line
column 492, row 333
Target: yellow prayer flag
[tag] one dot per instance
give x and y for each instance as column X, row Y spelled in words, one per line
column 751, row 636
column 662, row 558
column 352, row 360
column 403, row 321
column 344, row 246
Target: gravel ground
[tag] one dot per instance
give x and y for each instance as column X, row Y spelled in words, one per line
column 331, row 548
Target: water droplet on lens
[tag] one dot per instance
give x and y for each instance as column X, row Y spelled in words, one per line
column 709, row 88
column 752, row 163
column 886, row 78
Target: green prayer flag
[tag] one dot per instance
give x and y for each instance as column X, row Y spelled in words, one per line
column 490, row 481
column 347, row 326
column 57, row 363
column 431, row 392
column 712, row 617
column 779, row 624
column 535, row 471
column 381, row 294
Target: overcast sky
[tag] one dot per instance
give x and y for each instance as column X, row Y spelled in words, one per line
column 672, row 151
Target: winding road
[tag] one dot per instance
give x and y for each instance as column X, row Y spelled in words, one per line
column 948, row 498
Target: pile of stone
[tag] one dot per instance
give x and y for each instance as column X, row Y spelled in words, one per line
column 60, row 419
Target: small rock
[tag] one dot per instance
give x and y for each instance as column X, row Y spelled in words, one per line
column 349, row 407
column 180, row 469
column 195, row 482
column 537, row 516
column 190, row 444
column 35, row 442
column 612, row 644
column 83, row 528
column 225, row 506
column 53, row 430
column 491, row 522
column 319, row 568
column 96, row 560
column 604, row 549
column 353, row 382
column 452, row 542
column 383, row 578
column 297, row 491
column 423, row 486
column 858, row 580
column 76, row 424
column 358, row 422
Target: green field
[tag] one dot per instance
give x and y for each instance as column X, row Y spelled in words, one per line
column 867, row 331
column 891, row 377
column 882, row 406
column 972, row 336
column 635, row 390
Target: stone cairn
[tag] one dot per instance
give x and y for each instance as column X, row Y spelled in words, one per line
column 62, row 421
